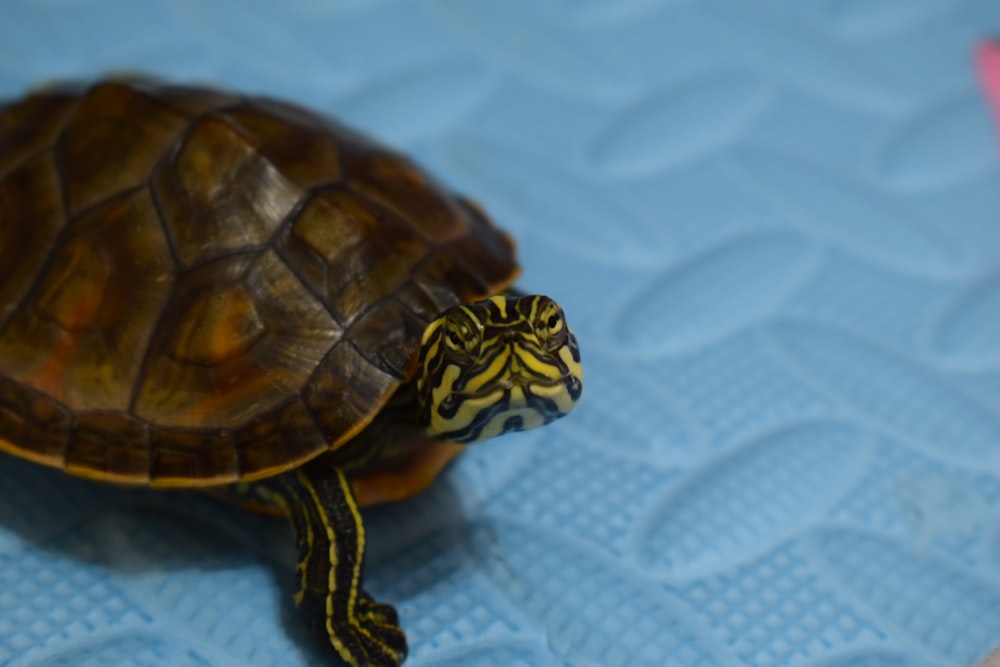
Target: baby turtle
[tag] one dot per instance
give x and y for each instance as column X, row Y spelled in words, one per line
column 205, row 290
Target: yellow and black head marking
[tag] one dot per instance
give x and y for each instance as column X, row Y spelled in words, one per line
column 496, row 366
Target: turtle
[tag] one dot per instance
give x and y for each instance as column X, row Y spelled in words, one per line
column 202, row 289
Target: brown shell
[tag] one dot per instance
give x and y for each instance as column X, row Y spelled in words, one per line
column 198, row 287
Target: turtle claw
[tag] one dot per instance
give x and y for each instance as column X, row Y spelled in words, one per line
column 383, row 621
column 372, row 638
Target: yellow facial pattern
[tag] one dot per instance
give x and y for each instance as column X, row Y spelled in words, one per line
column 504, row 364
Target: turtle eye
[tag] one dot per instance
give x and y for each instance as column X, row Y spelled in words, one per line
column 549, row 325
column 462, row 334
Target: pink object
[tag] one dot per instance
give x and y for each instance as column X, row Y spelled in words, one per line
column 988, row 64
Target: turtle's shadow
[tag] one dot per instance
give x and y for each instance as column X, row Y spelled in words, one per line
column 126, row 531
column 122, row 530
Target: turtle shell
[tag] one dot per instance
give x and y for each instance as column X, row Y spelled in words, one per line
column 198, row 287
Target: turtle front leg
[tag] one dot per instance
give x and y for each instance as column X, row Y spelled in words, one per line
column 330, row 537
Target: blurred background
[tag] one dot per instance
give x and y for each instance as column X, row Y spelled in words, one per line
column 775, row 228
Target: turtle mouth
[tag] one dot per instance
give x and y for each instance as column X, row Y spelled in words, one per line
column 513, row 403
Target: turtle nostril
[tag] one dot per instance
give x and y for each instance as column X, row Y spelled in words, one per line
column 511, row 338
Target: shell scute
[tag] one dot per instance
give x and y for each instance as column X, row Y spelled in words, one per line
column 180, row 457
column 80, row 334
column 346, row 391
column 393, row 182
column 350, row 252
column 206, row 385
column 32, row 425
column 305, row 157
column 289, row 433
column 32, row 125
column 386, row 331
column 108, row 445
column 218, row 194
column 116, row 135
column 31, row 217
column 190, row 100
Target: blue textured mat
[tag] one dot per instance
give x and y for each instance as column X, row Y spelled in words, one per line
column 777, row 234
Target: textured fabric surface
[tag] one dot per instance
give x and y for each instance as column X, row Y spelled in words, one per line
column 775, row 227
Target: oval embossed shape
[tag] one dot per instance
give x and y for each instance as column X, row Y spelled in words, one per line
column 568, row 590
column 851, row 215
column 919, row 405
column 940, row 607
column 419, row 102
column 714, row 294
column 944, row 145
column 537, row 43
column 752, row 498
column 968, row 332
column 551, row 201
column 865, row 18
column 795, row 52
column 635, row 412
column 683, row 122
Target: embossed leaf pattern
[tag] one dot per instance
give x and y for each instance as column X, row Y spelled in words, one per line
column 774, row 227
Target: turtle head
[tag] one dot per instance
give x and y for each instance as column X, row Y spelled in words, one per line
column 500, row 365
